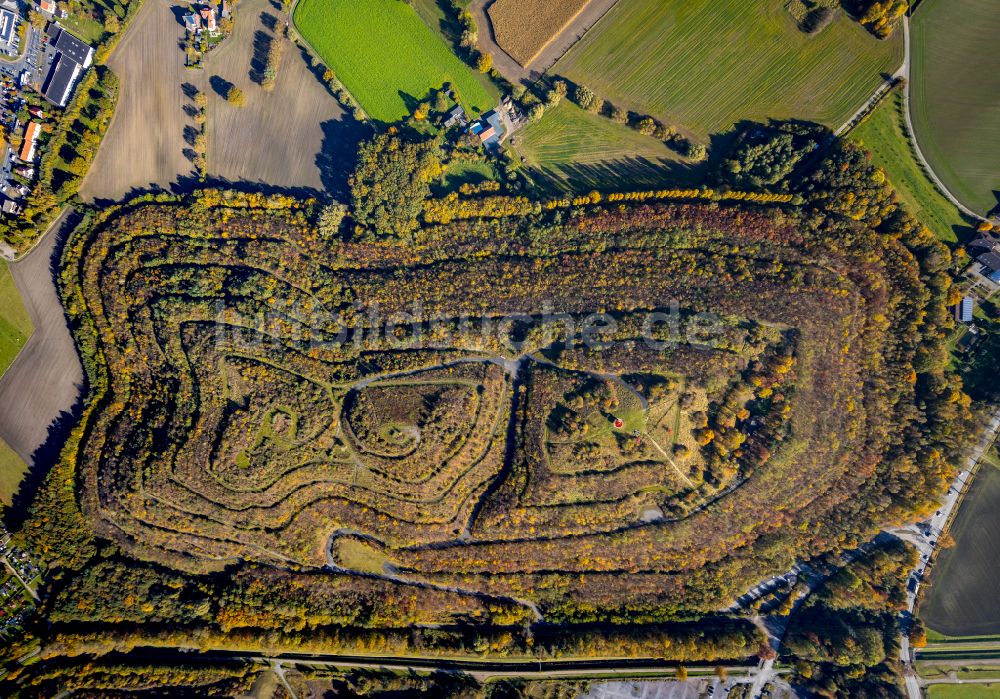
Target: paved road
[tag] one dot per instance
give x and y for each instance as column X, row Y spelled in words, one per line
column 927, row 540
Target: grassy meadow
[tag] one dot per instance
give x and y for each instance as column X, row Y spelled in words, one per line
column 387, row 56
column 964, row 691
column 15, row 325
column 12, row 470
column 574, row 149
column 955, row 94
column 964, row 599
column 884, row 134
column 706, row 64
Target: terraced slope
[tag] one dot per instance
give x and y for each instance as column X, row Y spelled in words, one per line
column 452, row 410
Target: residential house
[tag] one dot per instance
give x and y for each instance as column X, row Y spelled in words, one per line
column 11, row 207
column 208, row 18
column 30, row 140
column 192, row 23
column 47, row 7
column 456, row 117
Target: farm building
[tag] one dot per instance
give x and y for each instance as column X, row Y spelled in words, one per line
column 201, row 19
column 456, row 117
column 73, row 57
column 488, row 129
column 30, row 139
column 963, row 312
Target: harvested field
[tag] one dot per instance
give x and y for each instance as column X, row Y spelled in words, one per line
column 965, row 597
column 523, row 28
column 297, row 135
column 45, row 379
column 145, row 143
column 707, row 64
column 955, row 96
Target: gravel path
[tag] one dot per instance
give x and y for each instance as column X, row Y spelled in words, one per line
column 514, row 71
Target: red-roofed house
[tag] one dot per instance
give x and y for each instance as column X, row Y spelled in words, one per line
column 208, row 17
column 30, row 137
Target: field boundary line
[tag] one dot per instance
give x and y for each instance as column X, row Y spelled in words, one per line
column 300, row 40
column 578, row 39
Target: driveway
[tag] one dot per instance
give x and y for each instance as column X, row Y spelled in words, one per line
column 556, row 48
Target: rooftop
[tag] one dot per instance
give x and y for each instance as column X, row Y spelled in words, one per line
column 71, row 46
column 59, row 83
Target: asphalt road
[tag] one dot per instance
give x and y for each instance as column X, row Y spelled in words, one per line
column 927, row 539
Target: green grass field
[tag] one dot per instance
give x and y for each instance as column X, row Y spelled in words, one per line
column 706, row 64
column 15, row 325
column 955, row 96
column 963, row 691
column 884, row 134
column 573, row 149
column 12, row 470
column 385, row 54
column 964, row 599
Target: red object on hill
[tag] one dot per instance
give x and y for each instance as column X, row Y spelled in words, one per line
column 618, row 423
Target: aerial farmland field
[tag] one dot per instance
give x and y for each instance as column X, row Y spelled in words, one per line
column 572, row 147
column 523, row 29
column 15, row 325
column 386, row 56
column 965, row 597
column 707, row 65
column 955, row 108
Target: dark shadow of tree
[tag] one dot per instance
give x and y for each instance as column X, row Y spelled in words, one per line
column 258, row 60
column 220, row 85
column 338, row 153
